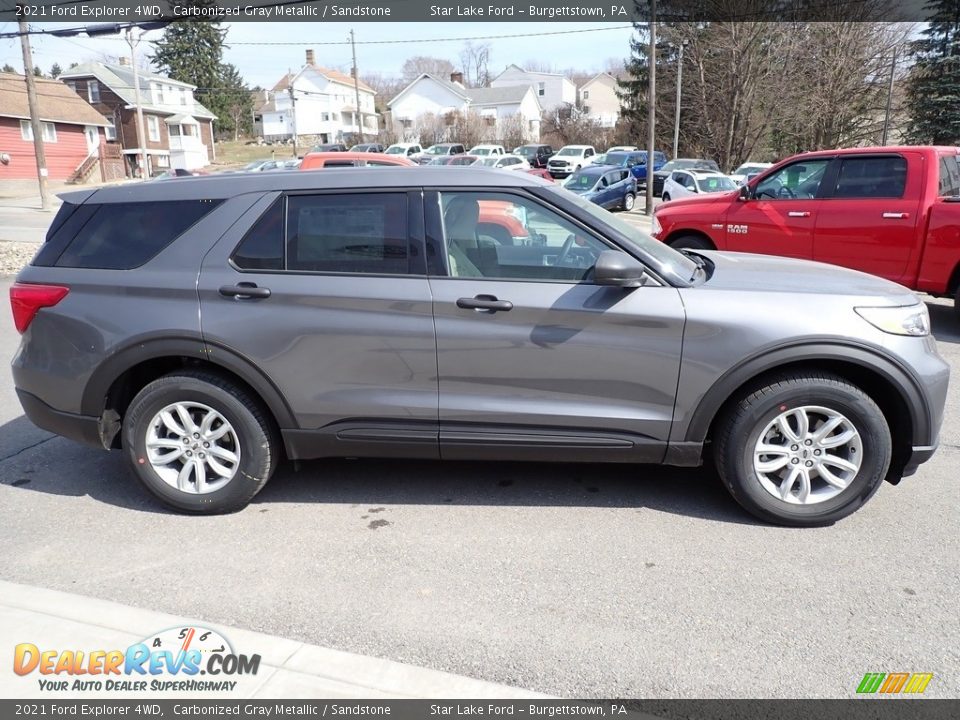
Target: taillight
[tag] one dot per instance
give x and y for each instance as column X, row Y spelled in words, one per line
column 26, row 300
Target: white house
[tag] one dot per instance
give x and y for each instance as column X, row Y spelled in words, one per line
column 598, row 99
column 553, row 90
column 317, row 102
column 430, row 95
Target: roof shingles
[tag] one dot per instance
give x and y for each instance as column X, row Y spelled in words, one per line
column 56, row 101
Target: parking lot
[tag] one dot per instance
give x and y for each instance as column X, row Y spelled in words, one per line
column 571, row 580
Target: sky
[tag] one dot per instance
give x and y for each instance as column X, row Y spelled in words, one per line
column 586, row 48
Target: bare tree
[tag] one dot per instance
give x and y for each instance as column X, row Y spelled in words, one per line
column 470, row 128
column 417, row 65
column 430, row 129
column 512, row 131
column 475, row 61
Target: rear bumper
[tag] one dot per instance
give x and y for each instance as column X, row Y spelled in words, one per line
column 82, row 428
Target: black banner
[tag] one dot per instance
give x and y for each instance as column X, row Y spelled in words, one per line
column 855, row 709
column 354, row 11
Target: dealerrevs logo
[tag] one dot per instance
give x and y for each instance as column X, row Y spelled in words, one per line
column 173, row 659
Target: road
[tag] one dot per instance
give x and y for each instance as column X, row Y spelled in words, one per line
column 569, row 580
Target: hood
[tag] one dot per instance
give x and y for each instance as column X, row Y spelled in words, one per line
column 767, row 273
column 723, row 197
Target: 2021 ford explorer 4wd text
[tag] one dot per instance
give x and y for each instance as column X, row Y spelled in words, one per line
column 211, row 327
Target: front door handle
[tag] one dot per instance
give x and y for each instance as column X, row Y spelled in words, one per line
column 896, row 215
column 799, row 213
column 244, row 291
column 485, row 302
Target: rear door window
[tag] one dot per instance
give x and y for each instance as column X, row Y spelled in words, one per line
column 949, row 176
column 120, row 236
column 871, row 177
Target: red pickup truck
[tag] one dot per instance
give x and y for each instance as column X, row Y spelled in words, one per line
column 889, row 211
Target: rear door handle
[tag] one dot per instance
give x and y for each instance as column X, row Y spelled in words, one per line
column 485, row 302
column 799, row 213
column 244, row 291
column 896, row 216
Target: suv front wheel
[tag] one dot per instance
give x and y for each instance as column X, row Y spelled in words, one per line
column 803, row 450
column 199, row 443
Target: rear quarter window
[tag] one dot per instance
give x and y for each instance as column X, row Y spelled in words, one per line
column 120, row 236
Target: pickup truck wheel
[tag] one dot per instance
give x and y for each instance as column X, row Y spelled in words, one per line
column 199, row 443
column 692, row 242
column 803, row 450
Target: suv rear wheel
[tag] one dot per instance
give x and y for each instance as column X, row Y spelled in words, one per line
column 199, row 443
column 803, row 450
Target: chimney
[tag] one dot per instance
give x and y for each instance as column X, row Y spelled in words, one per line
column 310, row 58
column 124, row 60
column 456, row 77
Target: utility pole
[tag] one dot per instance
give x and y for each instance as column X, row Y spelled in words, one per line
column 886, row 116
column 651, row 106
column 676, row 120
column 293, row 117
column 35, row 126
column 356, row 86
column 141, row 135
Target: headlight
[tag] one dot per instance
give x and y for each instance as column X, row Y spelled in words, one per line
column 901, row 320
column 655, row 226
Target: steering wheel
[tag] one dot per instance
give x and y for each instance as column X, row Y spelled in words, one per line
column 565, row 250
column 785, row 192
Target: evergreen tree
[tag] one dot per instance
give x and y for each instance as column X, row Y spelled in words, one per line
column 933, row 89
column 37, row 72
column 8, row 68
column 238, row 102
column 56, row 71
column 633, row 86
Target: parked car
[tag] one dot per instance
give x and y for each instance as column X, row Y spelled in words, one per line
column 368, row 147
column 291, row 164
column 317, row 160
column 259, row 165
column 888, row 211
column 439, row 150
column 748, row 171
column 609, row 187
column 410, row 150
column 486, row 150
column 536, row 155
column 419, row 336
column 176, row 173
column 330, row 147
column 634, row 161
column 504, row 162
column 686, row 183
column 569, row 159
column 454, row 160
column 660, row 176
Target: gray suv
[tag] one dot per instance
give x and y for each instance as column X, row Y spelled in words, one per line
column 211, row 327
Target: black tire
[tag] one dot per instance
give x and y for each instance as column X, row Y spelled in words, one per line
column 628, row 201
column 739, row 430
column 258, row 444
column 666, row 197
column 956, row 303
column 692, row 242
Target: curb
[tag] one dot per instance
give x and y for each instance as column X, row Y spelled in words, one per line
column 54, row 620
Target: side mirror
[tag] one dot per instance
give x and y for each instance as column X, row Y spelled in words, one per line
column 744, row 192
column 617, row 269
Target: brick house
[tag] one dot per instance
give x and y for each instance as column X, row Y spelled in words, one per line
column 73, row 132
column 178, row 129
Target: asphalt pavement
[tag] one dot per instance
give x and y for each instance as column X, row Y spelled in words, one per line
column 570, row 580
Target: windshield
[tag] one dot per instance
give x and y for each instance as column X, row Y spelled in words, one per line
column 715, row 184
column 396, row 150
column 481, row 151
column 436, row 150
column 570, row 152
column 620, row 159
column 438, row 161
column 254, row 164
column 489, row 162
column 461, row 160
column 744, row 169
column 581, row 181
column 526, row 151
column 670, row 261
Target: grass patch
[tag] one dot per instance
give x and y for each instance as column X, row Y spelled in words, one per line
column 236, row 153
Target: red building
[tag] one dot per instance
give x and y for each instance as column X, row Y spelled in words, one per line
column 73, row 136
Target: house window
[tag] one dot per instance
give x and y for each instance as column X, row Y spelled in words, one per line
column 153, row 128
column 162, row 160
column 158, row 90
column 48, row 131
column 93, row 91
column 110, row 132
column 325, row 117
column 586, row 94
column 174, row 130
column 586, row 109
column 183, row 96
column 541, row 89
column 406, row 122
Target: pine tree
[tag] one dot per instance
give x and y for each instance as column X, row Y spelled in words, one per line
column 238, row 101
column 633, row 86
column 37, row 72
column 8, row 68
column 933, row 88
column 191, row 51
column 56, row 71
